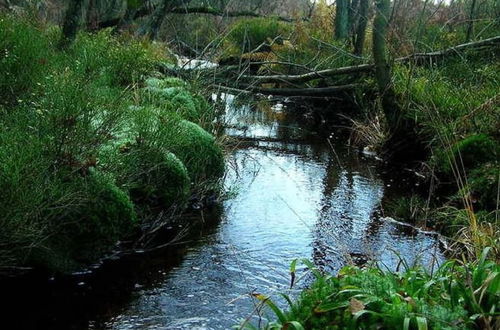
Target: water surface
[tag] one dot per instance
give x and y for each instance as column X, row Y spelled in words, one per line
column 293, row 196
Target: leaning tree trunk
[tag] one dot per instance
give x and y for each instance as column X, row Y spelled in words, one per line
column 361, row 27
column 341, row 19
column 72, row 21
column 152, row 26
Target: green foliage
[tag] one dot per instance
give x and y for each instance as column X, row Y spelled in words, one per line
column 155, row 177
column 483, row 184
column 248, row 34
column 468, row 153
column 435, row 97
column 165, row 82
column 69, row 133
column 23, row 58
column 197, row 149
column 118, row 62
column 455, row 296
column 102, row 215
column 173, row 95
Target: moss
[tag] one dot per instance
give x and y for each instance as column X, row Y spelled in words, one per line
column 179, row 100
column 101, row 214
column 470, row 152
column 105, row 214
column 155, row 177
column 483, row 184
column 198, row 150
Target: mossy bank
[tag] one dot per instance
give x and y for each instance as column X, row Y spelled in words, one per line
column 93, row 143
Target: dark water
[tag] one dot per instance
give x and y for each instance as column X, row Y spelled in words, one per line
column 292, row 196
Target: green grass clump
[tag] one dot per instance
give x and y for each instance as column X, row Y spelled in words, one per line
column 248, row 34
column 468, row 153
column 483, row 184
column 455, row 296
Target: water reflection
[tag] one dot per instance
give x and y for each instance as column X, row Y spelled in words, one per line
column 295, row 199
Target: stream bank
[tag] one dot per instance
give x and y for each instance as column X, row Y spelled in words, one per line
column 293, row 195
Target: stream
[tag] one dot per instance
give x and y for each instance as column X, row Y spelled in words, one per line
column 291, row 195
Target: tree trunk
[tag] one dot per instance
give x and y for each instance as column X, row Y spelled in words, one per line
column 353, row 17
column 361, row 27
column 382, row 67
column 470, row 26
column 152, row 26
column 72, row 21
column 341, row 19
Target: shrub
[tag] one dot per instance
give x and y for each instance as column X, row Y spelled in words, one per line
column 248, row 34
column 24, row 58
column 155, row 177
column 75, row 117
column 117, row 62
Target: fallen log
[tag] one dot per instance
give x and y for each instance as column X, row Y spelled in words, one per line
column 320, row 91
column 417, row 58
column 421, row 58
column 222, row 13
column 362, row 68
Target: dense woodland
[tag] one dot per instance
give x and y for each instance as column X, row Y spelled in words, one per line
column 106, row 136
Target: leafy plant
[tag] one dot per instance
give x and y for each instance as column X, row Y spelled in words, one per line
column 455, row 296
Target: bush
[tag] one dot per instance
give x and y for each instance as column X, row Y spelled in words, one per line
column 248, row 34
column 68, row 129
column 113, row 61
column 24, row 59
column 155, row 177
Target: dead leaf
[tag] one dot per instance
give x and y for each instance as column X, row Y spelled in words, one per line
column 356, row 305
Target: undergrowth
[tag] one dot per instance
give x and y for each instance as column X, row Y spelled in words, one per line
column 456, row 295
column 85, row 149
